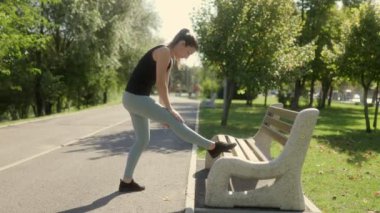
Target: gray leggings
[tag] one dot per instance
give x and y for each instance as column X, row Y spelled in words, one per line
column 141, row 108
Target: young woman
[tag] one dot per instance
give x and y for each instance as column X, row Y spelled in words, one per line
column 154, row 69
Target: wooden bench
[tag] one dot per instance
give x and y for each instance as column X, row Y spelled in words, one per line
column 250, row 177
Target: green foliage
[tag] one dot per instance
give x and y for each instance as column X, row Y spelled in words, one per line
column 261, row 39
column 18, row 22
column 59, row 53
column 362, row 55
column 259, row 48
column 209, row 83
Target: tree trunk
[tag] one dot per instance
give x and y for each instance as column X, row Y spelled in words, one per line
column 325, row 89
column 48, row 108
column 105, row 96
column 40, row 103
column 366, row 86
column 311, row 100
column 13, row 113
column 78, row 102
column 297, row 95
column 330, row 95
column 38, row 97
column 59, row 105
column 265, row 96
column 249, row 98
column 376, row 113
column 367, row 121
column 229, row 88
column 23, row 111
column 376, row 106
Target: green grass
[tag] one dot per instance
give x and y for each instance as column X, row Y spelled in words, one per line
column 341, row 172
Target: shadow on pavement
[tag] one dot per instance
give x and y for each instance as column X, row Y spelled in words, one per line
column 94, row 205
column 162, row 141
column 100, row 203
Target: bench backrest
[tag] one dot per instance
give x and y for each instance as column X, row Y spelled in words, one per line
column 290, row 128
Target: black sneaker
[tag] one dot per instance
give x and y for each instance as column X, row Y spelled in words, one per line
column 221, row 147
column 130, row 187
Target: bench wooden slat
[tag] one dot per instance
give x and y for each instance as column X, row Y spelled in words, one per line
column 280, row 125
column 222, row 138
column 275, row 134
column 284, row 113
column 251, row 143
column 249, row 153
column 237, row 150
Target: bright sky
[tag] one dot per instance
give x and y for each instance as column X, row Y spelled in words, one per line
column 175, row 15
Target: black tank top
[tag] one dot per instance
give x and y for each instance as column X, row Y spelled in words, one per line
column 143, row 76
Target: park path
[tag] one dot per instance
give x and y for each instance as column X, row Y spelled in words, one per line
column 72, row 163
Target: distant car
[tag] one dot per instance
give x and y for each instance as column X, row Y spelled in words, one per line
column 356, row 99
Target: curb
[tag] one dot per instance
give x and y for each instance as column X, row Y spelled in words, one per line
column 190, row 189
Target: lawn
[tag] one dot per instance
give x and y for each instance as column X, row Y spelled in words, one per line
column 341, row 172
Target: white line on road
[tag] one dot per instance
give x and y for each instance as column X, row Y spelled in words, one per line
column 58, row 147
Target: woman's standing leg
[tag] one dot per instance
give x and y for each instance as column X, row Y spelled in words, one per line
column 142, row 137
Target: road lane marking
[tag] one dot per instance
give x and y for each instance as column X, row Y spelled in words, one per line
column 59, row 146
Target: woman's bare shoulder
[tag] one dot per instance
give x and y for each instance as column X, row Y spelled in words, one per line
column 161, row 53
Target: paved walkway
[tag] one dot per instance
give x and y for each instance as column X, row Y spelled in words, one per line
column 41, row 172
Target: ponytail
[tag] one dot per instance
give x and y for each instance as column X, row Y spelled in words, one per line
column 184, row 35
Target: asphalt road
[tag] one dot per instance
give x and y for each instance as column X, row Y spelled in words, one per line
column 73, row 162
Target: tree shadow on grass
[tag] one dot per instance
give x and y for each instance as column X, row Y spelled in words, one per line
column 340, row 118
column 359, row 145
column 338, row 128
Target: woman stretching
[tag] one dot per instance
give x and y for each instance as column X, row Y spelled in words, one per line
column 154, row 69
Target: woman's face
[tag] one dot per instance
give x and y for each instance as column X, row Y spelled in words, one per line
column 183, row 51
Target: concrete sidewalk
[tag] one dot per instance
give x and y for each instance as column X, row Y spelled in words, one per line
column 84, row 176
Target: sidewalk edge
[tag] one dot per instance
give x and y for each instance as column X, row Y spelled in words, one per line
column 190, row 189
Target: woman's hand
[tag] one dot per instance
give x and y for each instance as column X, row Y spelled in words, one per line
column 176, row 115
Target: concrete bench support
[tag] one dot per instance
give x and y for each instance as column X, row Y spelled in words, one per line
column 249, row 176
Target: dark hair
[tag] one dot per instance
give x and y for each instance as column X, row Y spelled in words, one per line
column 184, row 35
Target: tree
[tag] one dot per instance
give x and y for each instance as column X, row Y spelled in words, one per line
column 362, row 52
column 68, row 52
column 316, row 15
column 245, row 54
column 19, row 24
column 331, row 44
